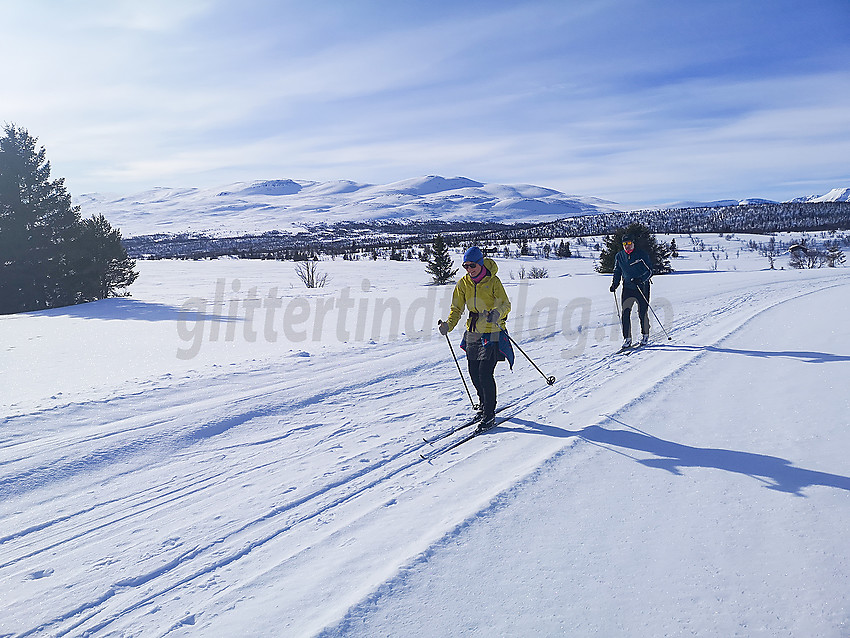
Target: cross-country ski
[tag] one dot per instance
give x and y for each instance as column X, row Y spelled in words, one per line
column 468, row 436
column 474, row 421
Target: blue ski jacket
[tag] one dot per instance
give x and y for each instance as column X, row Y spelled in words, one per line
column 634, row 269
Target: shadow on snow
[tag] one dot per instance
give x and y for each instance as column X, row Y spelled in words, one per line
column 779, row 474
column 802, row 355
column 123, row 308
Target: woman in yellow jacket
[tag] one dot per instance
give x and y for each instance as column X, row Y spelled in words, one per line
column 485, row 341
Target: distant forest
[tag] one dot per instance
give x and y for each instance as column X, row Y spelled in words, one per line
column 402, row 240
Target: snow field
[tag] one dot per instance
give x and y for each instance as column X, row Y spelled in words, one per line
column 274, row 487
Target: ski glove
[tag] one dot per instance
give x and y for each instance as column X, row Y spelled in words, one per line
column 493, row 316
column 444, row 327
column 613, row 288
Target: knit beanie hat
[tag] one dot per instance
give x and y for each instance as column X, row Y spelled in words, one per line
column 473, row 255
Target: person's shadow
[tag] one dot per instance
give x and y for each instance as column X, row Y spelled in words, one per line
column 779, row 474
column 802, row 355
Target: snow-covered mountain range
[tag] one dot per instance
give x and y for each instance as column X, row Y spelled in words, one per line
column 287, row 204
column 835, row 195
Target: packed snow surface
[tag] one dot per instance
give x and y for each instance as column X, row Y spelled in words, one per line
column 226, row 453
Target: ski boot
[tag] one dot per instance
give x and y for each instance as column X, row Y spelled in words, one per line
column 485, row 424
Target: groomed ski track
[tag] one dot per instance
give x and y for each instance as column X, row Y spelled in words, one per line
column 228, row 471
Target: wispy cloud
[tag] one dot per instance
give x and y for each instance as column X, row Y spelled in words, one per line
column 638, row 101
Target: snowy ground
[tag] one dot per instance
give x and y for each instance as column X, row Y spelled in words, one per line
column 226, row 453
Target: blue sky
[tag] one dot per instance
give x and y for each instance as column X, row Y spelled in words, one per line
column 636, row 101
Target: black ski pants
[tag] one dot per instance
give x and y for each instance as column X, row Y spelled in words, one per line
column 482, row 366
column 631, row 297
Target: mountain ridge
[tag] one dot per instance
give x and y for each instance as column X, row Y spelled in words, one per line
column 290, row 205
column 293, row 205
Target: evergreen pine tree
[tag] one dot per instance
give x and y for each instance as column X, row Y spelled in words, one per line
column 440, row 263
column 644, row 239
column 834, row 255
column 37, row 225
column 563, row 250
column 48, row 254
column 106, row 268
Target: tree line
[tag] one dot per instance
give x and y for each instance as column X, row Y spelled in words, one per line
column 349, row 239
column 49, row 255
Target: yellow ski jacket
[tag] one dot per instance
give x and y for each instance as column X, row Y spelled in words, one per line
column 488, row 294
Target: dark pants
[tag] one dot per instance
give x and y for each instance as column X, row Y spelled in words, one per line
column 482, row 365
column 632, row 296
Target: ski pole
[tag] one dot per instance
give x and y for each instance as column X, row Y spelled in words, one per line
column 469, row 394
column 549, row 380
column 617, row 305
column 669, row 338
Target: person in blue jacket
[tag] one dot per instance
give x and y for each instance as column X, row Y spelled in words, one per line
column 634, row 267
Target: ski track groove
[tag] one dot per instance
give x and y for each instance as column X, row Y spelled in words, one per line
column 349, row 480
column 104, row 520
column 35, row 477
column 354, row 485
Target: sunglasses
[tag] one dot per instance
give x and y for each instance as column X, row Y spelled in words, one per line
column 470, row 266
